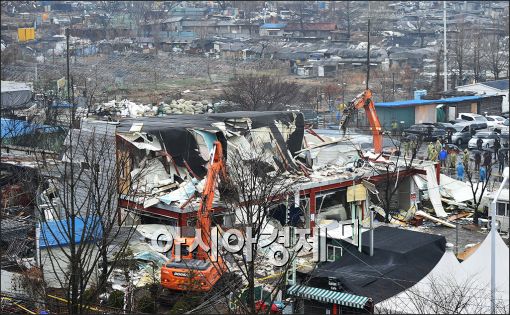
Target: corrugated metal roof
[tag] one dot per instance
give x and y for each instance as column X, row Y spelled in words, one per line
column 321, row 26
column 498, row 84
column 457, row 99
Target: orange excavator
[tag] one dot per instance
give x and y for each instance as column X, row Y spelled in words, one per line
column 196, row 271
column 364, row 100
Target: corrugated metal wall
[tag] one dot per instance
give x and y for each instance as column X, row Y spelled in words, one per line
column 387, row 115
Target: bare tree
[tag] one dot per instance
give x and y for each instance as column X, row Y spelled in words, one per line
column 421, row 25
column 109, row 9
column 331, row 91
column 459, row 48
column 496, row 52
column 477, row 53
column 446, row 295
column 346, row 14
column 393, row 168
column 78, row 214
column 260, row 93
column 478, row 184
column 253, row 189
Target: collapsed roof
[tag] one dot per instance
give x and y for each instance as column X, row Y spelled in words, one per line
column 185, row 142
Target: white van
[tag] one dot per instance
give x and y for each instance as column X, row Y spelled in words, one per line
column 502, row 209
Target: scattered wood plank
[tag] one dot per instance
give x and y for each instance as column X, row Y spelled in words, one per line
column 434, row 219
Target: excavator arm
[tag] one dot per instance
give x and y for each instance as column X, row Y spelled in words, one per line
column 216, row 165
column 364, row 100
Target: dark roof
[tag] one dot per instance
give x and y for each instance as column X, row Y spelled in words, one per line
column 401, row 259
column 323, row 26
column 175, row 133
column 498, row 84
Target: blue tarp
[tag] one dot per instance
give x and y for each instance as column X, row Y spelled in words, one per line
column 409, row 103
column 11, row 128
column 271, row 25
column 57, row 232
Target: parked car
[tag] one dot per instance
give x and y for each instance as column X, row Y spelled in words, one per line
column 503, row 128
column 488, row 138
column 461, row 133
column 475, row 119
column 427, row 132
column 442, row 125
column 494, row 121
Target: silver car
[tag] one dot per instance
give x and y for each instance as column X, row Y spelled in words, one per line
column 461, row 133
column 488, row 138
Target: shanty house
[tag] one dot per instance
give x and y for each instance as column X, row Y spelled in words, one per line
column 54, row 239
column 272, row 30
column 411, row 112
column 320, row 29
column 497, row 87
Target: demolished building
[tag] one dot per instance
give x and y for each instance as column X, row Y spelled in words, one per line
column 173, row 152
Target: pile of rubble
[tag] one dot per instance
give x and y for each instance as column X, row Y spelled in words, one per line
column 126, row 108
column 182, row 106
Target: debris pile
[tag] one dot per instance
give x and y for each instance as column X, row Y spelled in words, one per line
column 175, row 149
column 182, row 106
column 126, row 108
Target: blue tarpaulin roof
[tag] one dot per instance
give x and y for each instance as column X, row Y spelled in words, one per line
column 271, row 25
column 408, row 103
column 57, row 233
column 11, row 128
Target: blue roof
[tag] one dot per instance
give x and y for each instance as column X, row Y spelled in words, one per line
column 271, row 25
column 409, row 103
column 57, row 233
column 11, row 128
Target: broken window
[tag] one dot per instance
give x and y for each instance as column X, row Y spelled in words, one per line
column 332, row 206
column 502, row 209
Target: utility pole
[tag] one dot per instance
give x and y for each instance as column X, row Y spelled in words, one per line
column 67, row 70
column 368, row 54
column 445, row 88
column 393, row 80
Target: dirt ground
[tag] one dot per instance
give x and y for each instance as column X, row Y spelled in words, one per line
column 152, row 78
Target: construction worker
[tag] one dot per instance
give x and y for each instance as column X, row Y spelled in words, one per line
column 478, row 160
column 453, row 158
column 443, row 154
column 460, row 171
column 502, row 159
column 430, row 147
column 483, row 174
column 497, row 146
column 465, row 158
column 433, row 156
column 394, row 127
column 438, row 146
column 406, row 148
column 413, row 147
